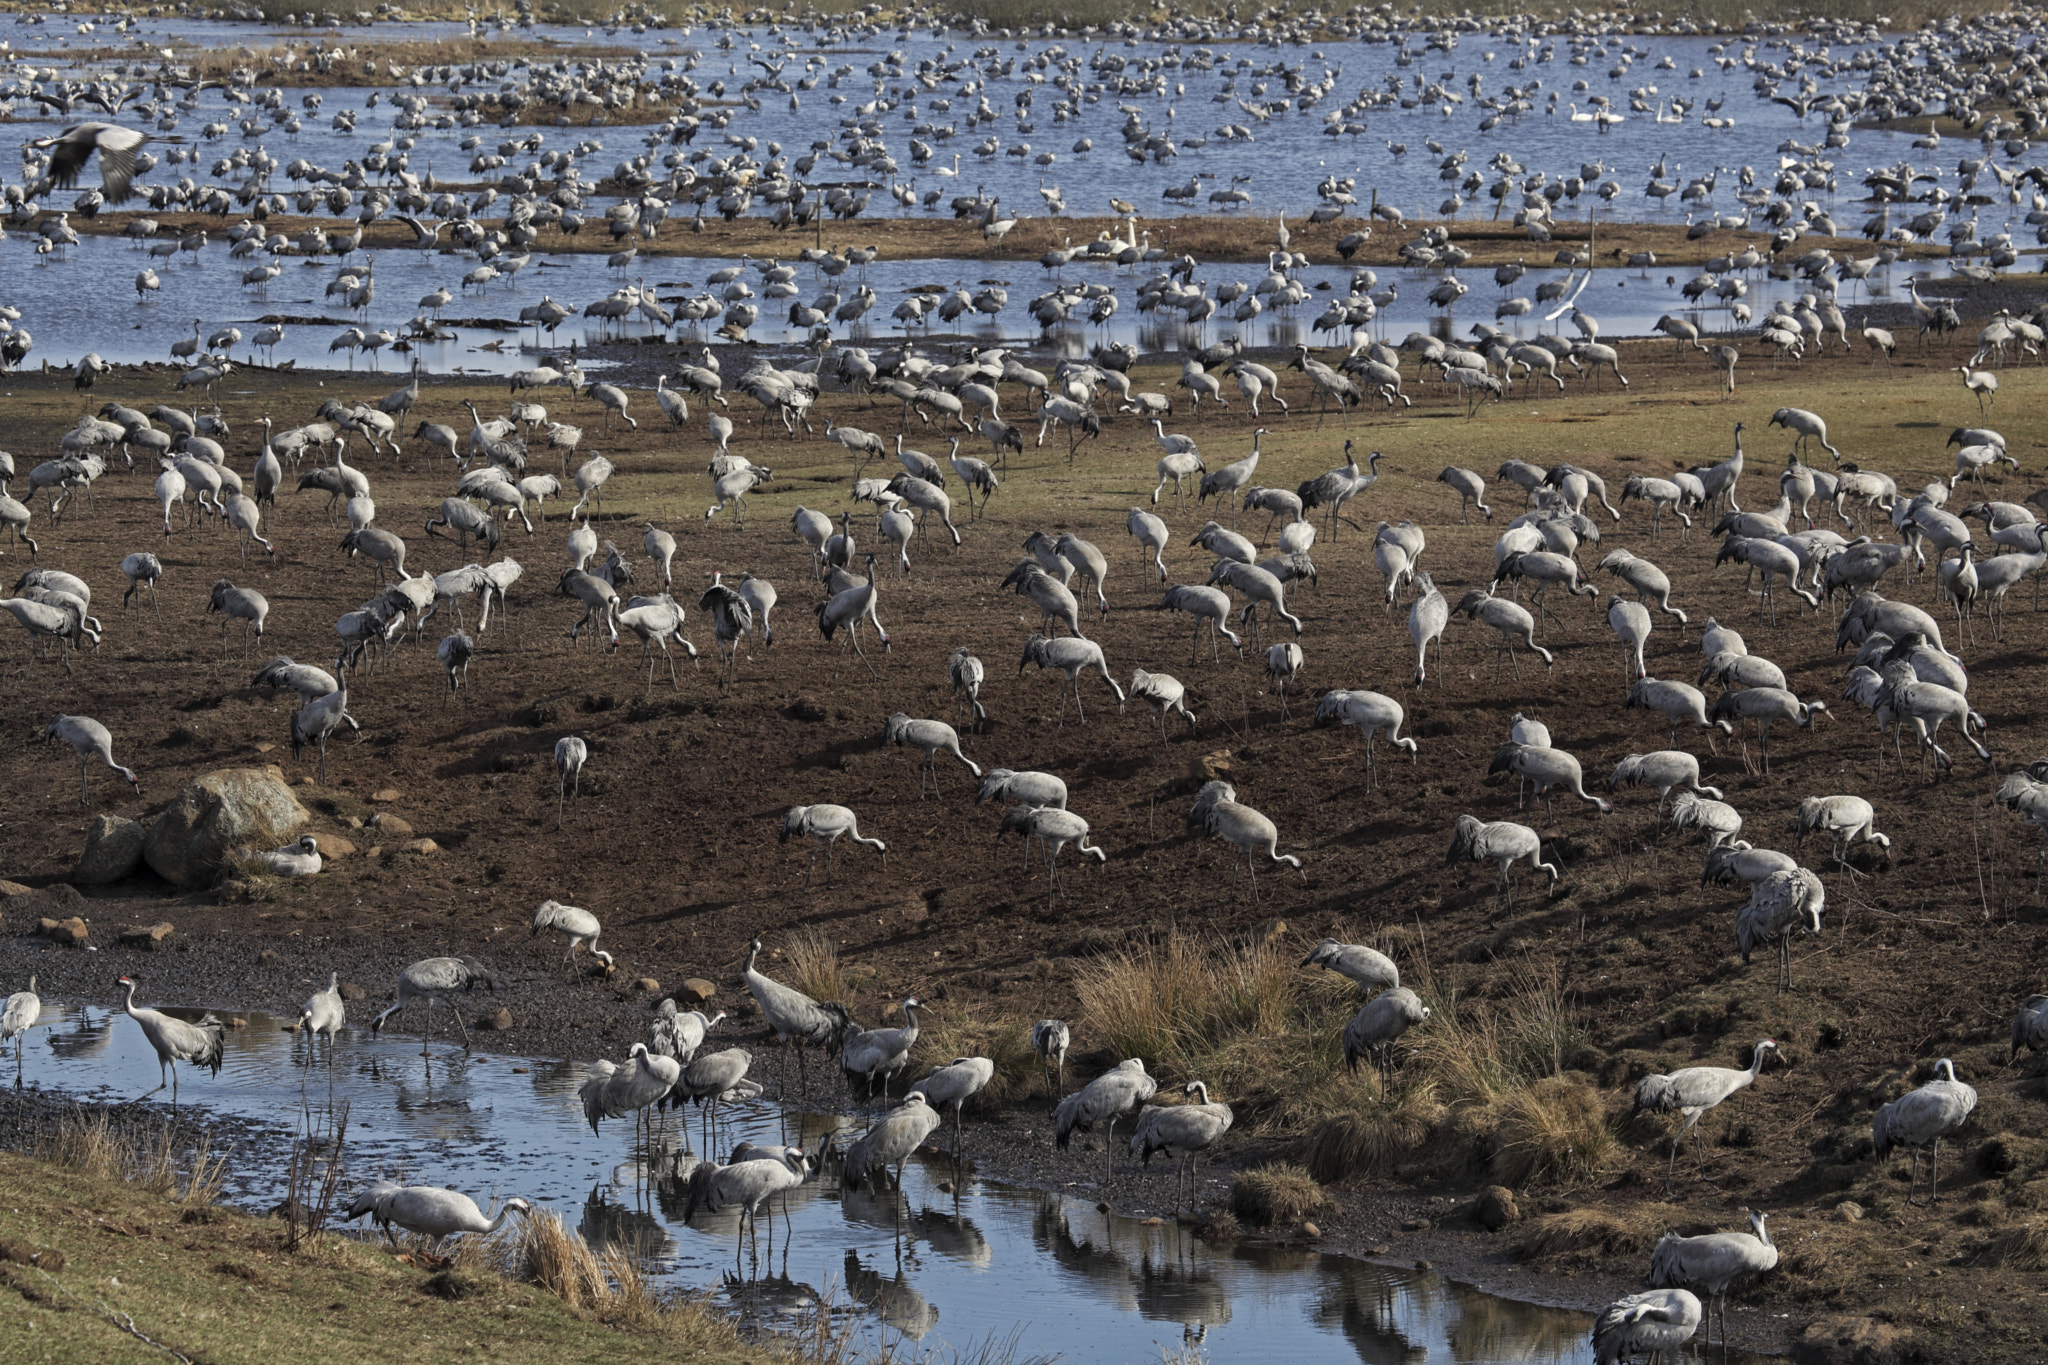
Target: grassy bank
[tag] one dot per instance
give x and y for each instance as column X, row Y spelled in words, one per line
column 112, row 1251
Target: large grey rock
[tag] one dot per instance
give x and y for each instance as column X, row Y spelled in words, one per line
column 233, row 806
column 113, row 852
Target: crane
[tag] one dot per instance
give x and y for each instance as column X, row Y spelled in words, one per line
column 21, row 1010
column 174, row 1040
column 1369, row 967
column 429, row 1211
column 315, row 721
column 1369, row 713
column 824, row 824
column 1714, row 1262
column 1378, row 1025
column 965, row 672
column 1499, row 841
column 1922, row 1118
column 930, row 736
column 1107, row 1098
column 891, row 1141
column 1056, row 827
column 1182, row 1131
column 797, row 1020
column 89, row 740
column 1782, row 902
column 323, row 1012
column 1650, row 1324
column 1069, row 655
column 1050, row 1039
column 746, row 1185
column 1692, row 1091
column 880, row 1052
column 1546, row 768
column 577, row 925
column 955, row 1084
column 610, row 1092
column 679, row 1033
column 571, row 753
column 437, row 978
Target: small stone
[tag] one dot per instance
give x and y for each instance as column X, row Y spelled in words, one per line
column 351, row 991
column 1311, row 1231
column 1417, row 1225
column 521, row 1070
column 391, row 827
column 355, row 822
column 1210, row 766
column 385, row 796
column 1424, row 1265
column 304, row 782
column 1496, row 1208
column 13, row 889
column 237, row 1023
column 71, row 931
column 1849, row 1211
column 146, row 937
column 696, row 990
column 1378, row 1249
column 376, row 851
column 268, row 957
column 1102, row 1208
column 648, row 984
column 422, row 846
column 499, row 1019
column 333, row 845
column 264, row 746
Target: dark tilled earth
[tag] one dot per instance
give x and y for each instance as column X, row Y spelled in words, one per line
column 672, row 842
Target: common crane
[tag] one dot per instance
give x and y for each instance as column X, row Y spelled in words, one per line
column 1649, row 1323
column 1779, row 905
column 174, row 1041
column 1182, row 1131
column 1104, row 1100
column 955, row 1084
column 823, row 825
column 577, row 926
column 1377, row 1026
column 747, row 1185
column 1501, row 842
column 797, row 1020
column 880, row 1053
column 1368, row 713
column 1690, row 1092
column 21, row 1010
column 891, row 1141
column 1069, row 655
column 930, row 736
column 437, row 978
column 1056, row 827
column 1714, row 1263
column 1510, row 619
column 1368, row 967
column 89, row 740
column 1546, row 768
column 430, row 1211
column 1050, row 1039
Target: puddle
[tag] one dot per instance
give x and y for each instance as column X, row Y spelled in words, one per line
column 987, row 1262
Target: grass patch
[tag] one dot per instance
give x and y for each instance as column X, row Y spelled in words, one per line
column 1374, row 1141
column 1552, row 1131
column 1584, row 1237
column 149, row 1157
column 813, row 958
column 1272, row 1196
column 2024, row 1247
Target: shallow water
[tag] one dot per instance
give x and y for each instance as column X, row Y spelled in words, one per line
column 987, row 1262
column 88, row 301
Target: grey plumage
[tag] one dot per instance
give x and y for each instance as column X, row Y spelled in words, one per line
column 1691, row 1091
column 746, row 1185
column 1715, row 1263
column 879, row 1054
column 429, row 1210
column 891, row 1141
column 2029, row 1026
column 1181, row 1131
column 1105, row 1099
column 1050, row 1039
column 1498, row 841
column 1378, row 1025
column 1648, row 1323
column 1779, row 905
column 1922, row 1118
column 175, row 1041
column 610, row 1092
column 436, row 978
column 796, row 1019
column 1370, row 968
column 955, row 1084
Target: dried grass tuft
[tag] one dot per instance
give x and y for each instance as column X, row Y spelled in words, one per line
column 1374, row 1140
column 561, row 1262
column 2021, row 1247
column 1270, row 1196
column 813, row 958
column 1554, row 1131
column 1584, row 1237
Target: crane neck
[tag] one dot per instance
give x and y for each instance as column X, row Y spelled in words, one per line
column 128, row 1001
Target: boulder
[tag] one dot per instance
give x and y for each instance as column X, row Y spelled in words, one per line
column 499, row 1020
column 333, row 845
column 1496, row 1208
column 69, row 931
column 113, row 852
column 695, row 991
column 420, row 846
column 1840, row 1339
column 189, row 843
column 648, row 984
column 146, row 937
column 391, row 827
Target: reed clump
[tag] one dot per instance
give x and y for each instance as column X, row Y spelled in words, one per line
column 1275, row 1196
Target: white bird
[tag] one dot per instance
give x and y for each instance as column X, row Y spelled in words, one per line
column 571, row 753
column 1369, row 967
column 1546, row 768
column 1107, row 1098
column 1847, row 820
column 1050, row 1039
column 1922, row 1118
column 892, row 1140
column 1162, row 693
column 746, row 1185
column 89, row 740
column 1691, row 1091
column 437, row 978
column 23, row 1008
column 323, row 1012
column 965, row 672
column 1498, row 841
column 1248, row 832
column 1378, row 1025
column 880, row 1053
column 1182, row 1131
column 1283, row 666
column 796, row 1019
column 1714, row 1263
column 430, row 1211
column 930, row 736
column 576, row 925
column 300, row 858
column 1427, row 617
column 316, row 720
column 175, row 1041
column 823, row 825
column 1069, row 655
column 76, row 145
column 955, row 1084
column 1645, row 1324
